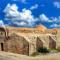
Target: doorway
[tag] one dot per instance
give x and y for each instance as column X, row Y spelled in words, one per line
column 52, row 43
column 39, row 43
column 2, row 48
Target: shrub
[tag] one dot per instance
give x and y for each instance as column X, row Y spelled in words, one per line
column 43, row 50
column 34, row 54
column 53, row 50
column 58, row 49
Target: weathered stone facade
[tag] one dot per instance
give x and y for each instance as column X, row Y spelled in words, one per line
column 26, row 41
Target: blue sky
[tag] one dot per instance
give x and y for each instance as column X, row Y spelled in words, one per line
column 30, row 13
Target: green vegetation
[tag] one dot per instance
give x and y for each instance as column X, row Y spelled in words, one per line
column 34, row 54
column 58, row 49
column 43, row 50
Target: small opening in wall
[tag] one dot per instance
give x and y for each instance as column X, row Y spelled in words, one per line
column 2, row 48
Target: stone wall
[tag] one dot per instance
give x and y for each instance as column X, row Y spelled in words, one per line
column 27, row 43
column 17, row 45
column 58, row 38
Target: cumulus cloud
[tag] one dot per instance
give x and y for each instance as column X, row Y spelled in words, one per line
column 55, row 25
column 2, row 23
column 34, row 7
column 21, row 24
column 11, row 10
column 57, row 4
column 44, row 18
column 24, row 18
column 55, row 19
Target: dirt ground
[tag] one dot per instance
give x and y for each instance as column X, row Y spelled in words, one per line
column 11, row 56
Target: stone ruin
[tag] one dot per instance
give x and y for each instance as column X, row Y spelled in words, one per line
column 26, row 40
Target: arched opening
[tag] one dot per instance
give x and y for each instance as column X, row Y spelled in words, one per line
column 52, row 43
column 19, row 45
column 24, row 46
column 39, row 43
column 2, row 47
column 3, row 30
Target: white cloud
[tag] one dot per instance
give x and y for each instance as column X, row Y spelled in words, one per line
column 25, row 18
column 55, row 25
column 19, row 18
column 26, row 15
column 44, row 18
column 11, row 10
column 55, row 19
column 21, row 23
column 57, row 4
column 34, row 7
column 2, row 23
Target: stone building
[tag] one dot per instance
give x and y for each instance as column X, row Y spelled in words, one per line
column 25, row 41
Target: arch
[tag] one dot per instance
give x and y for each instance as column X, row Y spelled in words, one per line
column 52, row 43
column 39, row 43
column 18, row 44
column 2, row 47
column 3, row 31
column 25, row 47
